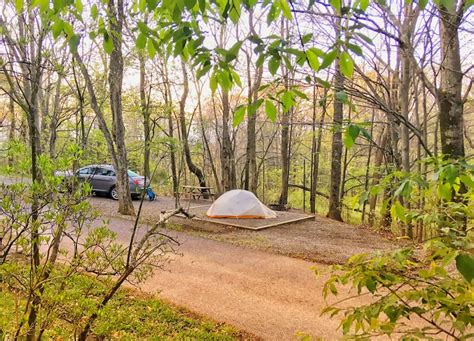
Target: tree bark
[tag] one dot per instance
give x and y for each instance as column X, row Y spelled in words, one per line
column 229, row 180
column 116, row 20
column 251, row 175
column 11, row 133
column 53, row 124
column 450, row 90
column 335, row 186
column 316, row 149
column 285, row 132
column 146, row 117
column 184, row 132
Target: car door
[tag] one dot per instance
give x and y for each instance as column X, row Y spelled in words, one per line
column 85, row 174
column 103, row 179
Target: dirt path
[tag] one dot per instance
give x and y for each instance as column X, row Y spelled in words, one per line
column 272, row 296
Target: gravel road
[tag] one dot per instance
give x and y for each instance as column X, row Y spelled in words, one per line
column 271, row 296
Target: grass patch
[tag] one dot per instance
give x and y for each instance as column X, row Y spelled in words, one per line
column 130, row 315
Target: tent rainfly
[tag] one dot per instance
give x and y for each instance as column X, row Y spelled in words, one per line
column 239, row 204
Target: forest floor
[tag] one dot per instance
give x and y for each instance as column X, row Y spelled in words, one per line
column 321, row 240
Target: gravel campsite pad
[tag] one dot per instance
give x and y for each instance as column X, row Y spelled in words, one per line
column 320, row 240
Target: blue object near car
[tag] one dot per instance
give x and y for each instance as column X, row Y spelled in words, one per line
column 103, row 181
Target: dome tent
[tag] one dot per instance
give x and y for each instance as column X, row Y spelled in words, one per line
column 239, row 204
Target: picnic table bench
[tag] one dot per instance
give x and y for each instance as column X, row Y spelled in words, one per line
column 196, row 192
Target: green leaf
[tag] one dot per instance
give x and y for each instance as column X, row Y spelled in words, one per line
column 42, row 4
column 355, row 48
column 467, row 180
column 239, row 115
column 236, row 78
column 341, row 96
column 307, row 38
column 468, row 4
column 234, row 12
column 350, row 135
column 300, row 94
column 141, row 41
column 151, row 48
column 347, row 64
column 108, row 43
column 94, row 11
column 203, row 70
column 445, row 191
column 286, row 9
column 19, row 6
column 365, row 38
column 270, row 110
column 322, row 82
column 151, row 4
column 287, row 100
column 363, row 4
column 79, row 6
column 313, row 60
column 336, row 4
column 422, row 3
column 213, row 82
column 57, row 28
column 273, row 65
column 202, row 5
column 328, row 59
column 465, row 265
column 398, row 211
column 73, row 42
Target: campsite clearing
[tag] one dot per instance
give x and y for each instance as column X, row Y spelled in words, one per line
column 320, row 240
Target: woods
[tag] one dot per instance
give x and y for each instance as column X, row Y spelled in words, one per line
column 359, row 111
column 381, row 96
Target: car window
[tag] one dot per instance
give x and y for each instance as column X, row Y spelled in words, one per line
column 132, row 174
column 85, row 171
column 105, row 172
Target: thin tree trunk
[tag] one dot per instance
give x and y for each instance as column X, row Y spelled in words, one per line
column 146, row 117
column 169, row 108
column 377, row 174
column 11, row 133
column 335, row 186
column 229, row 180
column 251, row 176
column 285, row 132
column 53, row 125
column 184, row 131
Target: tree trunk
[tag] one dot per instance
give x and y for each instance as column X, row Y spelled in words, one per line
column 53, row 124
column 229, row 180
column 335, row 186
column 116, row 20
column 377, row 174
column 251, row 174
column 184, row 131
column 449, row 93
column 11, row 133
column 285, row 132
column 146, row 117
column 316, row 149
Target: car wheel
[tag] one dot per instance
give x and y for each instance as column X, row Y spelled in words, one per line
column 113, row 193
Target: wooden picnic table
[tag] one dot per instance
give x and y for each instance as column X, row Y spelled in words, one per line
column 196, row 192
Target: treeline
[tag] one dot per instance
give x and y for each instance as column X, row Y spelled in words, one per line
column 310, row 107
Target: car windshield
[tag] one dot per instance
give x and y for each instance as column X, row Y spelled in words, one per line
column 132, row 174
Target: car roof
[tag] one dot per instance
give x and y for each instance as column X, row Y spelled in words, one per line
column 102, row 166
